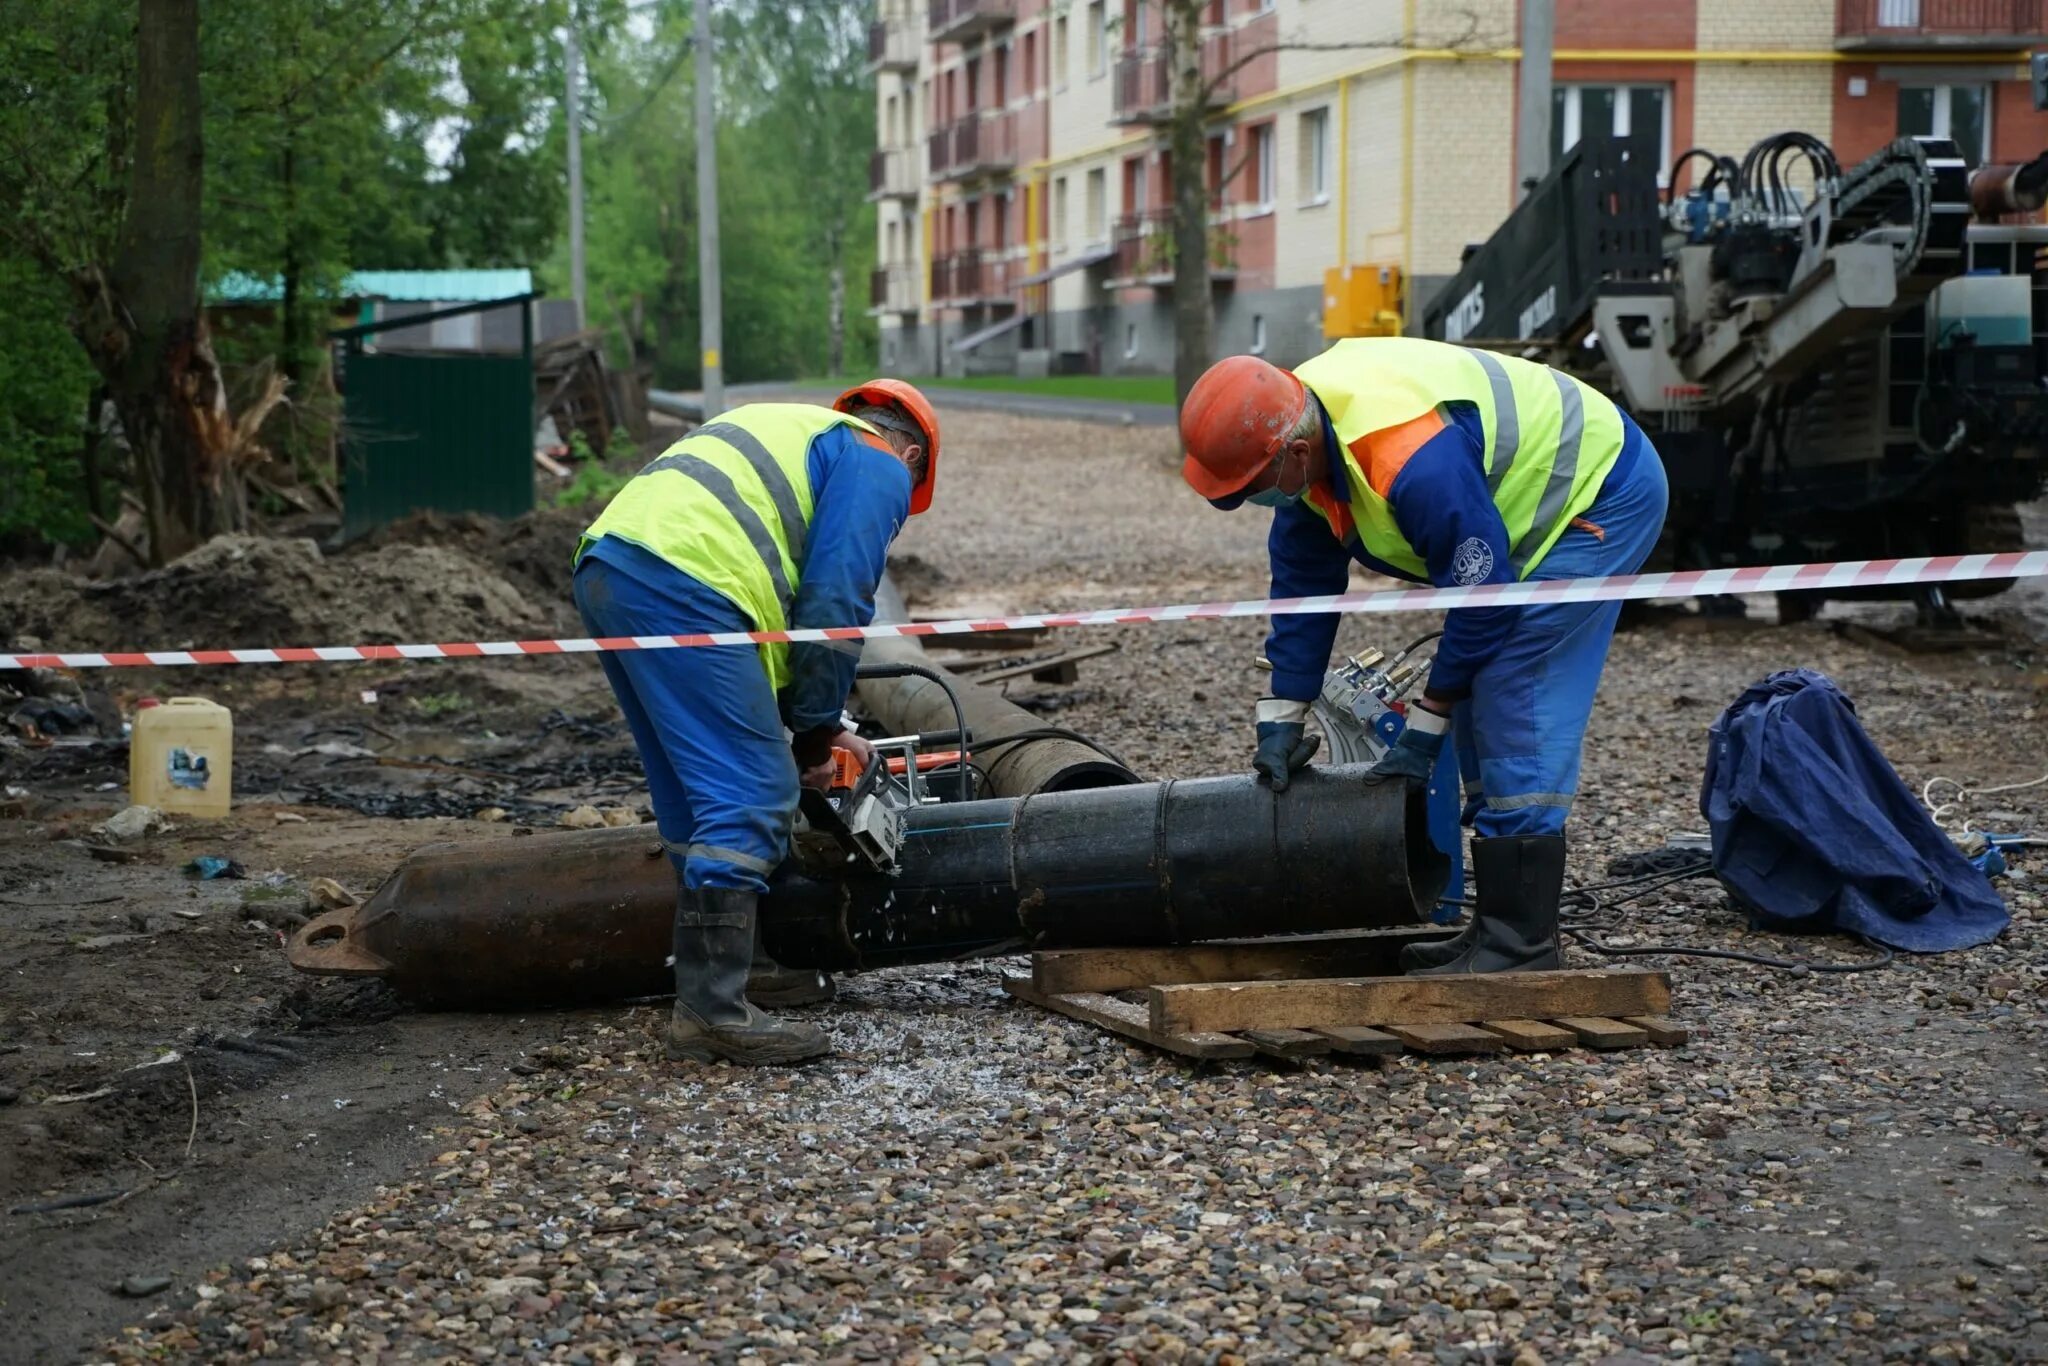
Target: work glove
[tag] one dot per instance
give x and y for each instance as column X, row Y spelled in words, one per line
column 1285, row 747
column 1412, row 757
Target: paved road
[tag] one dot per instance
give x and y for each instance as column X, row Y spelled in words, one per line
column 690, row 404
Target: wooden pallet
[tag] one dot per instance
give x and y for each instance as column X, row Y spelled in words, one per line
column 1341, row 994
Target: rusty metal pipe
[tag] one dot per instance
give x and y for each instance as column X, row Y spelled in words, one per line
column 578, row 918
column 1996, row 191
column 908, row 706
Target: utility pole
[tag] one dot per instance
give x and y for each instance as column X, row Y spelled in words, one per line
column 710, row 322
column 573, row 111
column 1532, row 151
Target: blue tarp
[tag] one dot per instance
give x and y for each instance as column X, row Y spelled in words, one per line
column 1814, row 831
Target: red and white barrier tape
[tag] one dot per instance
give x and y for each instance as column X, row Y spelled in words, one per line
column 1690, row 584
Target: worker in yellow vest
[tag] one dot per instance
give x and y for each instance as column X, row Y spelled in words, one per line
column 1454, row 467
column 775, row 516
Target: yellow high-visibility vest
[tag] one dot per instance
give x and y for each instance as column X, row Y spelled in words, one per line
column 730, row 505
column 1550, row 440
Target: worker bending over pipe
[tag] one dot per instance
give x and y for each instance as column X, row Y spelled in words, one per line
column 1443, row 465
column 774, row 516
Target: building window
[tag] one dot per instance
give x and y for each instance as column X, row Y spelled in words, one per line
column 1265, row 175
column 1098, row 37
column 1098, row 206
column 1615, row 110
column 1315, row 156
column 1130, row 341
column 1134, row 186
column 1960, row 113
column 1059, row 53
column 1898, row 13
column 1258, row 334
column 1059, row 213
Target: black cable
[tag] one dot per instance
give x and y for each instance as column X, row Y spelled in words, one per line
column 952, row 695
column 1645, row 883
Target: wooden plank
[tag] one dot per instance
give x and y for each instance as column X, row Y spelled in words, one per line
column 1447, row 1038
column 1227, row 1006
column 1532, row 1036
column 1286, row 1043
column 1597, row 1032
column 1121, row 1017
column 1360, row 1041
column 1367, row 953
column 1664, row 1031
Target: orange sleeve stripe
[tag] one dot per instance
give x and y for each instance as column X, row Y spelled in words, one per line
column 875, row 441
column 1384, row 454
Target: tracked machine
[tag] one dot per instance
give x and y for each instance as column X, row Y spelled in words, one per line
column 1835, row 364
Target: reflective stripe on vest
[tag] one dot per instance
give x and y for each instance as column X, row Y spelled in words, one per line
column 730, row 505
column 1549, row 440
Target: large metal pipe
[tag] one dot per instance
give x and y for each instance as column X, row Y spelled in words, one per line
column 579, row 918
column 907, row 706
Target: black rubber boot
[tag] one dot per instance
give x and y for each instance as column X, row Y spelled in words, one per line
column 1416, row 957
column 713, row 1020
column 1514, row 929
column 775, row 987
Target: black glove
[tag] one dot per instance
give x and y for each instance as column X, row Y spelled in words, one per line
column 814, row 746
column 1284, row 750
column 1411, row 757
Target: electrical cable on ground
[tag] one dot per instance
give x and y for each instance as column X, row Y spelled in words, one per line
column 1587, row 901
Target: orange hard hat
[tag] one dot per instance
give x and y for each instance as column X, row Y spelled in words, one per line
column 1234, row 422
column 916, row 407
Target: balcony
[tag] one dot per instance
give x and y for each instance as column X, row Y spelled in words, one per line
column 1144, row 250
column 1939, row 25
column 980, row 144
column 892, row 174
column 891, row 47
column 1142, row 91
column 971, row 277
column 957, row 21
column 893, row 289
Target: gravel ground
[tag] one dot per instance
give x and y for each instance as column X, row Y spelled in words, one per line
column 1840, row 1167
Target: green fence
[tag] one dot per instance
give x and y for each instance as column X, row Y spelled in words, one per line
column 442, row 432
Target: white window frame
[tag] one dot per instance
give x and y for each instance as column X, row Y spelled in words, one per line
column 1898, row 13
column 1258, row 334
column 1096, row 194
column 1130, row 341
column 1315, row 156
column 1264, row 168
column 1574, row 113
column 1944, row 111
column 1098, row 39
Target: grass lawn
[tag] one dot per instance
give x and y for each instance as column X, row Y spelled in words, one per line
column 1118, row 388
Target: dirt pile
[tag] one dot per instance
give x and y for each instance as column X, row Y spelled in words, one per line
column 532, row 553
column 252, row 591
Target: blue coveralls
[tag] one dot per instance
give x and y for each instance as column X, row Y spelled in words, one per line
column 1525, row 677
column 709, row 728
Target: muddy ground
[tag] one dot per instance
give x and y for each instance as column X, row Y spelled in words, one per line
column 175, row 1100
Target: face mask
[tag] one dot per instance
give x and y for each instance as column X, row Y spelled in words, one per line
column 1272, row 498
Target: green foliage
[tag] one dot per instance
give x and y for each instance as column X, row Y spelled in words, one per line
column 593, row 484
column 437, row 704
column 45, row 382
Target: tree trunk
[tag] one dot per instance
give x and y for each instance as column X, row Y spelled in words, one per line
column 1193, row 318
column 835, row 320
column 140, row 321
column 291, row 320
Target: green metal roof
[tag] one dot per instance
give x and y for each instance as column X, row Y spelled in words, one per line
column 402, row 286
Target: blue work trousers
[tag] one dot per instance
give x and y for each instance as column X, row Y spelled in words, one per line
column 705, row 719
column 1518, row 735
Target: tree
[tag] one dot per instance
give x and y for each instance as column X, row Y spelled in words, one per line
column 809, row 64
column 1194, row 95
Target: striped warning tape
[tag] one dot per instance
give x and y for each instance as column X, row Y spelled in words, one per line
column 1690, row 584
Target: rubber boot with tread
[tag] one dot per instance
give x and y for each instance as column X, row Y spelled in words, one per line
column 775, row 987
column 1415, row 957
column 713, row 1020
column 1514, row 927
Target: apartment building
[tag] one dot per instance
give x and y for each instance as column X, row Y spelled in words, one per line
column 1022, row 176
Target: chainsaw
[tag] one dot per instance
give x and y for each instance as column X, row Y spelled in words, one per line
column 857, row 823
